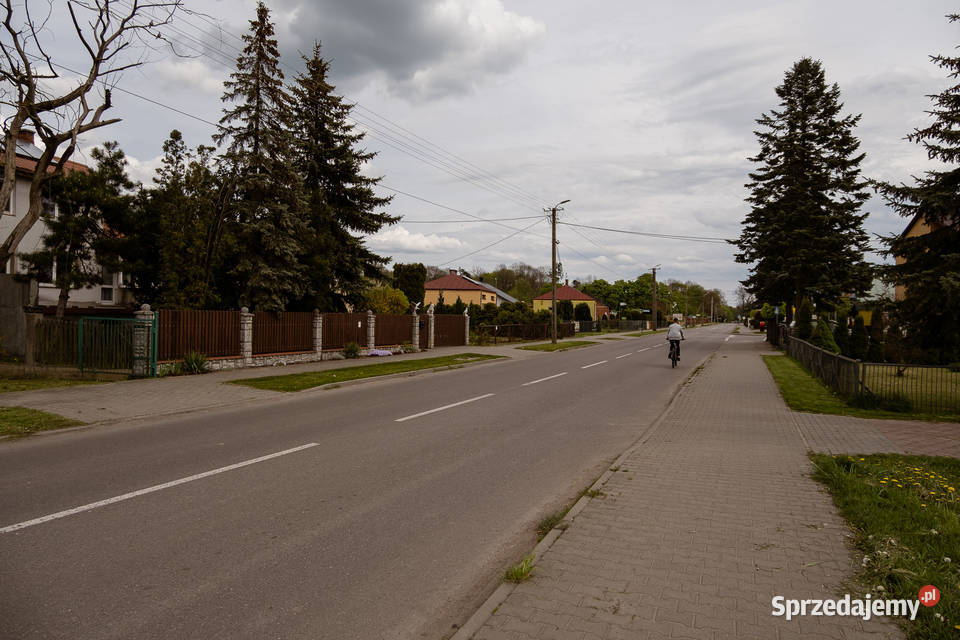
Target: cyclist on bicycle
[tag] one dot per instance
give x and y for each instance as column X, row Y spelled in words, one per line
column 675, row 335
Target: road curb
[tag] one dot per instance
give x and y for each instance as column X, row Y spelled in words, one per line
column 502, row 592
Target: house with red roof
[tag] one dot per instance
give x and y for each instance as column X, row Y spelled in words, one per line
column 470, row 291
column 566, row 292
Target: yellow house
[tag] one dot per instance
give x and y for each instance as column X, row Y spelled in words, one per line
column 470, row 291
column 917, row 227
column 566, row 292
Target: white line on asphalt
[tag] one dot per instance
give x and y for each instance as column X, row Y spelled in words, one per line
column 623, row 356
column 449, row 406
column 727, row 339
column 134, row 494
column 527, row 384
column 644, row 349
column 592, row 365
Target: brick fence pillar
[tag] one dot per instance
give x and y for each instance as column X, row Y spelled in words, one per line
column 318, row 333
column 466, row 327
column 246, row 336
column 416, row 328
column 430, row 325
column 371, row 330
column 142, row 334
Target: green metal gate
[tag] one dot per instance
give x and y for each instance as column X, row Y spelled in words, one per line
column 117, row 345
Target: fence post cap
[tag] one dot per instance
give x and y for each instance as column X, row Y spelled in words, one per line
column 144, row 307
column 430, row 309
column 369, row 312
column 244, row 310
column 466, row 312
column 316, row 312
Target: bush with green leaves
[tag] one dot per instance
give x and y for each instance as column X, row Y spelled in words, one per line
column 822, row 337
column 581, row 313
column 805, row 319
column 841, row 334
column 194, row 362
column 859, row 340
column 351, row 350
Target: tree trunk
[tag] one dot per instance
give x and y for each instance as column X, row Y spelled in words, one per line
column 62, row 301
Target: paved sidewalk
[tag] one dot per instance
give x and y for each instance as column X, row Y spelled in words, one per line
column 706, row 519
column 153, row 397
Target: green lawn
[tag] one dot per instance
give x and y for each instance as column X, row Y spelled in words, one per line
column 560, row 346
column 928, row 388
column 905, row 515
column 20, row 421
column 310, row 379
column 804, row 392
column 640, row 334
column 30, row 384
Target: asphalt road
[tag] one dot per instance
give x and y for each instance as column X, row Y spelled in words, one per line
column 382, row 510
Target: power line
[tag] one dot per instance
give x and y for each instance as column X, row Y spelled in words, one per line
column 504, row 239
column 408, row 221
column 652, row 235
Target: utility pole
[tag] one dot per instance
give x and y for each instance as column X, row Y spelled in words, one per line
column 653, row 309
column 553, row 270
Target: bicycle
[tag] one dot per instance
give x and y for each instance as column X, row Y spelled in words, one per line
column 674, row 352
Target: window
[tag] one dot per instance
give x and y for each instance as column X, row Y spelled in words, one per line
column 106, row 294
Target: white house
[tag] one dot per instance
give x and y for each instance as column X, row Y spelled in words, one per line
column 111, row 293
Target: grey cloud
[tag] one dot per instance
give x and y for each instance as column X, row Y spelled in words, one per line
column 423, row 50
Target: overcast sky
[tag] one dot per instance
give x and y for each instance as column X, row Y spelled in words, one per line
column 641, row 113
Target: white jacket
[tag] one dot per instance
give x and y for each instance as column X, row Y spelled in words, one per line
column 675, row 332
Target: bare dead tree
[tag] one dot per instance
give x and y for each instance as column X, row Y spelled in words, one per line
column 115, row 35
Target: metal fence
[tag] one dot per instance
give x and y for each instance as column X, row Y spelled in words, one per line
column 341, row 328
column 449, row 331
column 497, row 333
column 839, row 373
column 929, row 389
column 212, row 333
column 393, row 330
column 287, row 332
column 56, row 342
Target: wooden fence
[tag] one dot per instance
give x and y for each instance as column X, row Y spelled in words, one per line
column 56, row 342
column 287, row 332
column 215, row 334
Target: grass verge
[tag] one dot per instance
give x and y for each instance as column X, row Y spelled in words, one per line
column 560, row 346
column 803, row 392
column 905, row 515
column 310, row 379
column 8, row 385
column 20, row 421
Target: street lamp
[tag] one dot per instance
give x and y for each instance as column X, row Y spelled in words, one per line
column 553, row 270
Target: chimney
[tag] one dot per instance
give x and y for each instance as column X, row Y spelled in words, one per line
column 25, row 135
column 566, row 283
column 453, row 272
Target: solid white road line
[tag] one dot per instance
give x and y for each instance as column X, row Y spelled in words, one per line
column 592, row 365
column 134, row 494
column 449, row 406
column 527, row 384
column 623, row 356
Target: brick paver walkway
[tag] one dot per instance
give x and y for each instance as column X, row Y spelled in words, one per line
column 705, row 521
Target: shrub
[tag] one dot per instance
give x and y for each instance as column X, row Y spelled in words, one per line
column 841, row 334
column 898, row 403
column 954, row 366
column 805, row 319
column 823, row 337
column 866, row 400
column 351, row 350
column 194, row 362
column 859, row 339
column 581, row 313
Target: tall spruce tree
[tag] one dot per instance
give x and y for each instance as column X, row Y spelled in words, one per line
column 268, row 207
column 804, row 233
column 929, row 265
column 340, row 202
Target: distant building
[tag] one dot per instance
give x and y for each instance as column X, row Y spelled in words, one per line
column 112, row 291
column 566, row 292
column 918, row 226
column 470, row 291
